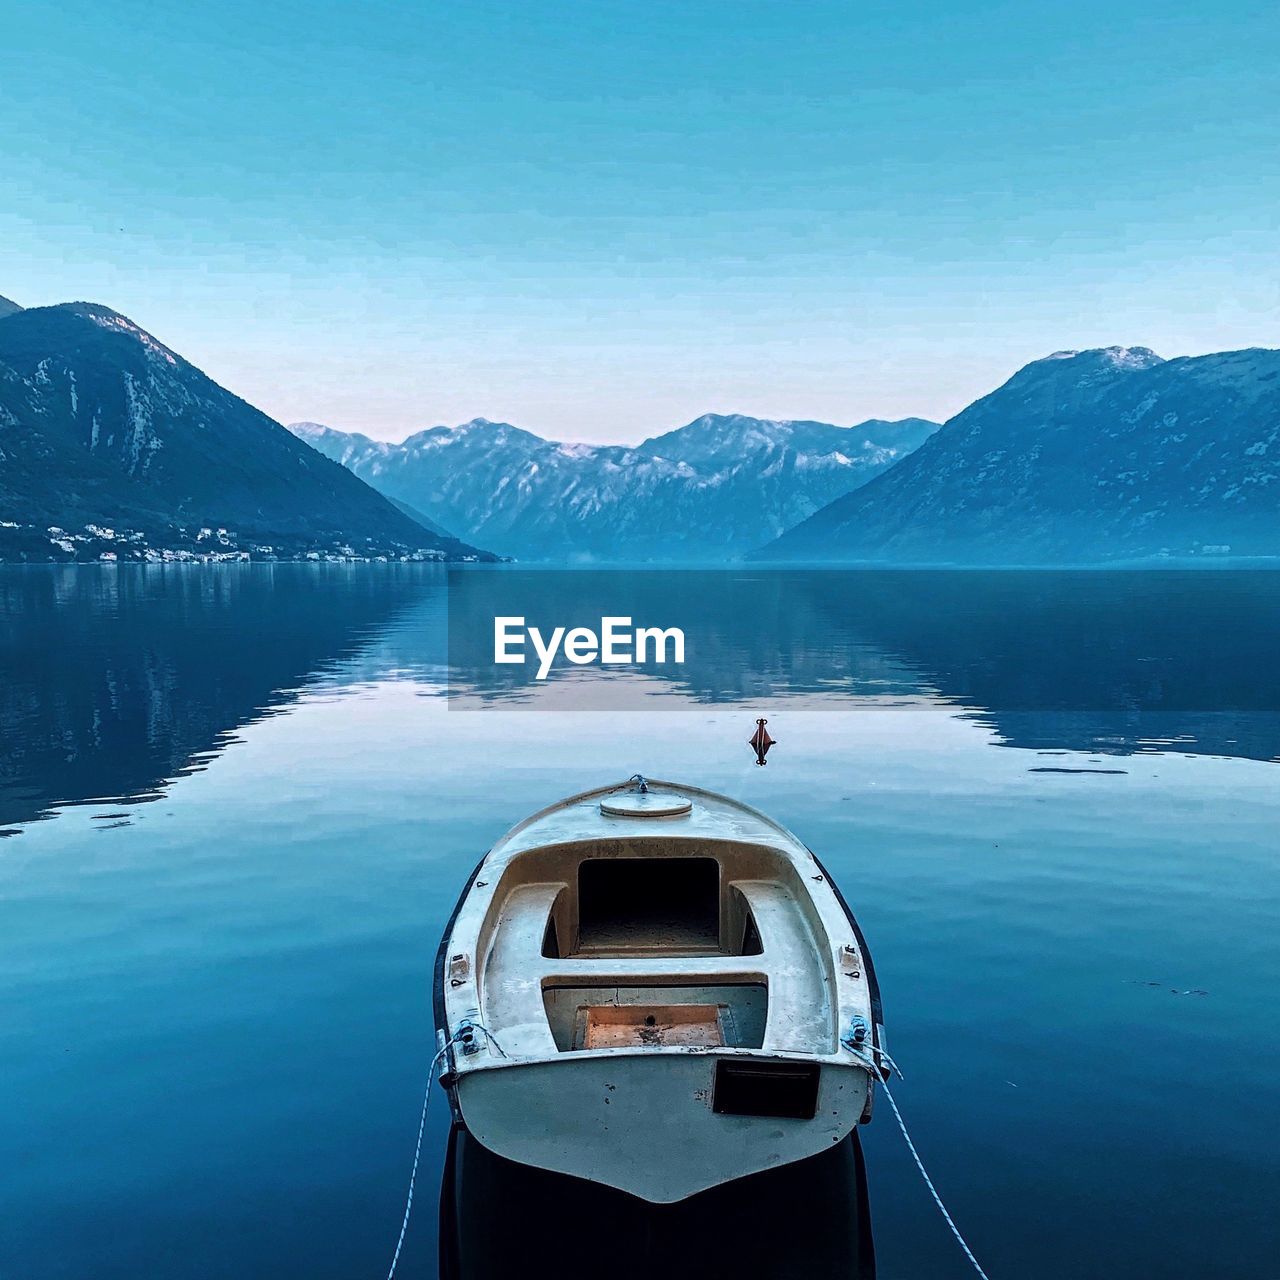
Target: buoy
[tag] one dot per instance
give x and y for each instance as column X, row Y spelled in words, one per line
column 761, row 742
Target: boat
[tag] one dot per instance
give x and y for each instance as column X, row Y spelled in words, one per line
column 659, row 989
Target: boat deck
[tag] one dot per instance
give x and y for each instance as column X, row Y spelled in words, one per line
column 631, row 909
column 518, row 973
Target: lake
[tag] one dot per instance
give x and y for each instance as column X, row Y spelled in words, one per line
column 238, row 803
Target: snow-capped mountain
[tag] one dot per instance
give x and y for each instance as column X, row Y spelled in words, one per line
column 716, row 487
column 1084, row 456
column 102, row 423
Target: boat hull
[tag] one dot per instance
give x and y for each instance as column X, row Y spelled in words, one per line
column 646, row 1122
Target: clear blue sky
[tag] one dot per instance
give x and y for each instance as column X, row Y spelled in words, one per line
column 601, row 219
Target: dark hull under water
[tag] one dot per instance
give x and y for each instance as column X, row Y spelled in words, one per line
column 503, row 1219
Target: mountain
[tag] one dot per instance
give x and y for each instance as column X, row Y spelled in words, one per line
column 7, row 307
column 713, row 488
column 415, row 515
column 102, row 424
column 1082, row 457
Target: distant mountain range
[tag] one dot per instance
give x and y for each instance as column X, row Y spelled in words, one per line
column 713, row 489
column 102, row 427
column 114, row 446
column 1083, row 457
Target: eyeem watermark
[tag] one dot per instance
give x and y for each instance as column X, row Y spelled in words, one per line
column 617, row 643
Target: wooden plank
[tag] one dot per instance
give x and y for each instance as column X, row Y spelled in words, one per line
column 624, row 1026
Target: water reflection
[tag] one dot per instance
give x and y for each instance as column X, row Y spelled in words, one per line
column 1111, row 662
column 118, row 679
column 499, row 1219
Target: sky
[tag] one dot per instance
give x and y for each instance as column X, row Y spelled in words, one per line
column 601, row 220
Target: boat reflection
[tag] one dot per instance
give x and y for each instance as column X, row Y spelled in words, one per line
column 500, row 1219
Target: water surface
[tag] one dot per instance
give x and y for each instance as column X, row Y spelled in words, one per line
column 240, row 808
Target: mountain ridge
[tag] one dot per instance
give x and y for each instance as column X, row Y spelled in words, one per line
column 102, row 424
column 1094, row 456
column 711, row 488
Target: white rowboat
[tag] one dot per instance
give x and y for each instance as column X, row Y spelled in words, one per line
column 656, row 988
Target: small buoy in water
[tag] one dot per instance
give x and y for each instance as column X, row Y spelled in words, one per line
column 761, row 742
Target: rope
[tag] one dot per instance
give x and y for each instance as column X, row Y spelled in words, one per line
column 878, row 1073
column 422, row 1128
column 489, row 1036
column 417, row 1154
column 928, row 1182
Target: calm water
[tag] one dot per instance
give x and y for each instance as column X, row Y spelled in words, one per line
column 239, row 808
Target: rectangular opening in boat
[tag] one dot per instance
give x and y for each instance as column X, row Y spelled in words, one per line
column 728, row 1014
column 651, row 1026
column 640, row 906
column 787, row 1090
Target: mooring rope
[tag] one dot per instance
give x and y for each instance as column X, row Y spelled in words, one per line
column 928, row 1182
column 422, row 1124
column 417, row 1153
column 877, row 1073
column 488, row 1035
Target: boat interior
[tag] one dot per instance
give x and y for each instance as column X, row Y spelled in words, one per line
column 635, row 943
